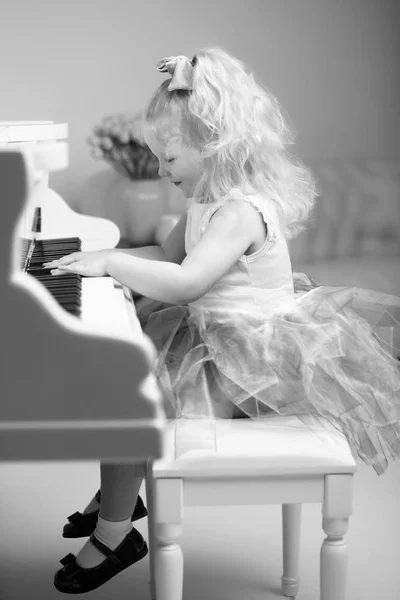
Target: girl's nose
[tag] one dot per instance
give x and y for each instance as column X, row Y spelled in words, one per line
column 162, row 171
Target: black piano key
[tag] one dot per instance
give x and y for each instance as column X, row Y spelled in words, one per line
column 47, row 250
column 49, row 241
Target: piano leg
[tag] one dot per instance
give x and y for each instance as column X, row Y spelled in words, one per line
column 150, row 526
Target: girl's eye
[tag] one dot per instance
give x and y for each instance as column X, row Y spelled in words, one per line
column 170, row 160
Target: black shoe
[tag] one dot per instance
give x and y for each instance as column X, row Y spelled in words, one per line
column 83, row 525
column 72, row 579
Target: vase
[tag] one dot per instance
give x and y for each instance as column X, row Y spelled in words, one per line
column 141, row 204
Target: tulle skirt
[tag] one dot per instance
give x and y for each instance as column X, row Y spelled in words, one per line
column 324, row 357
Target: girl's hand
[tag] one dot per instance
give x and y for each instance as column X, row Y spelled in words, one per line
column 89, row 264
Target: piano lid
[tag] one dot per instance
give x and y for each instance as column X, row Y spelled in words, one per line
column 32, row 131
column 45, row 140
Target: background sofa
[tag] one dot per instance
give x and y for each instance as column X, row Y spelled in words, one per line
column 354, row 236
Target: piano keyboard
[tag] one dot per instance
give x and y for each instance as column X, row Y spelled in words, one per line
column 66, row 289
column 97, row 301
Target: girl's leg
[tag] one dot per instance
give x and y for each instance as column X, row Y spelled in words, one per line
column 120, row 485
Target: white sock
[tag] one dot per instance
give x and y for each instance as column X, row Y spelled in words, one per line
column 109, row 533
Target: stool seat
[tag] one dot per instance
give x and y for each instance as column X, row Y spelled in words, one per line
column 273, row 445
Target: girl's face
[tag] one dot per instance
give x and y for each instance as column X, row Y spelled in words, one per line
column 179, row 163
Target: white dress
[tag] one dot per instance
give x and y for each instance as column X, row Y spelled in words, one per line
column 266, row 340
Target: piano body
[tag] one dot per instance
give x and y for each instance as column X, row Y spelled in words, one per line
column 72, row 387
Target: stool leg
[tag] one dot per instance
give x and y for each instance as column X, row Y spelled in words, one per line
column 333, row 566
column 168, row 562
column 150, row 526
column 337, row 507
column 291, row 523
column 168, row 526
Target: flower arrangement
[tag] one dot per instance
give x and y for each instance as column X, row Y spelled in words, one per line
column 119, row 141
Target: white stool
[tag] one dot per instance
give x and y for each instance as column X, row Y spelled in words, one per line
column 281, row 462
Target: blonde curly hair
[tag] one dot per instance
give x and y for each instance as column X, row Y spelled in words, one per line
column 238, row 127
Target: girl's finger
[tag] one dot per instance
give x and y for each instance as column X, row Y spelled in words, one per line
column 65, row 260
column 74, row 268
column 63, row 270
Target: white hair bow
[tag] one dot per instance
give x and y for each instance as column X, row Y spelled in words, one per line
column 181, row 70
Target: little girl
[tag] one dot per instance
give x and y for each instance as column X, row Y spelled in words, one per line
column 237, row 333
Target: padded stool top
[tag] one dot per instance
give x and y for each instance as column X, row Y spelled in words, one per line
column 273, row 445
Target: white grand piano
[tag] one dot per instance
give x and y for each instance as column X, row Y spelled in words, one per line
column 75, row 378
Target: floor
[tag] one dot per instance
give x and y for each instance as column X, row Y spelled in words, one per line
column 229, row 553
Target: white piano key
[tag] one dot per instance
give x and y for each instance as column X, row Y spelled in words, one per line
column 105, row 308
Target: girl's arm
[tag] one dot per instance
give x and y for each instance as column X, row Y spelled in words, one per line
column 147, row 252
column 163, row 281
column 229, row 234
column 157, row 279
column 92, row 264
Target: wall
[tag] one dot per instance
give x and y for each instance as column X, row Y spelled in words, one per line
column 332, row 64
